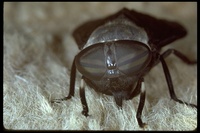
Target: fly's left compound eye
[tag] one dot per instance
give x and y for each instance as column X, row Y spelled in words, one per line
column 132, row 57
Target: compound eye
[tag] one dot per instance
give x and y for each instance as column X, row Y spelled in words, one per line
column 91, row 62
column 112, row 59
column 132, row 57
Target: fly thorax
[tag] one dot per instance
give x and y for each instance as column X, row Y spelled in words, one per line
column 119, row 29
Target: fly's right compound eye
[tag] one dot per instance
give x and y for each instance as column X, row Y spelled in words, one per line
column 91, row 62
column 113, row 59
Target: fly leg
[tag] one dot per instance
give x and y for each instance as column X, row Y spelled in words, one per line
column 83, row 99
column 168, row 76
column 141, row 105
column 179, row 55
column 72, row 84
column 139, row 89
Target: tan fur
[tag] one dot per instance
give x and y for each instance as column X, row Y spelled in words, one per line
column 38, row 53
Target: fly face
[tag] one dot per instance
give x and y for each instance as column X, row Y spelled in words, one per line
column 114, row 67
column 114, row 56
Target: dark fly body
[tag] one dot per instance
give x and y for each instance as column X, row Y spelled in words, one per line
column 118, row 51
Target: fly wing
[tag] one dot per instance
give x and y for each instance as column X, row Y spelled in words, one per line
column 160, row 32
column 83, row 32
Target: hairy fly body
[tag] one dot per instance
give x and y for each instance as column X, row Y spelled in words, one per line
column 118, row 51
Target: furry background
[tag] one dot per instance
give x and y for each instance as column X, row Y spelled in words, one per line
column 38, row 53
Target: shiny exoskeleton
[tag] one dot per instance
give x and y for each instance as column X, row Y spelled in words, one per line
column 117, row 52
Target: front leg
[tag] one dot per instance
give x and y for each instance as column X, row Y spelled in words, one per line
column 141, row 105
column 72, row 84
column 83, row 99
column 137, row 89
